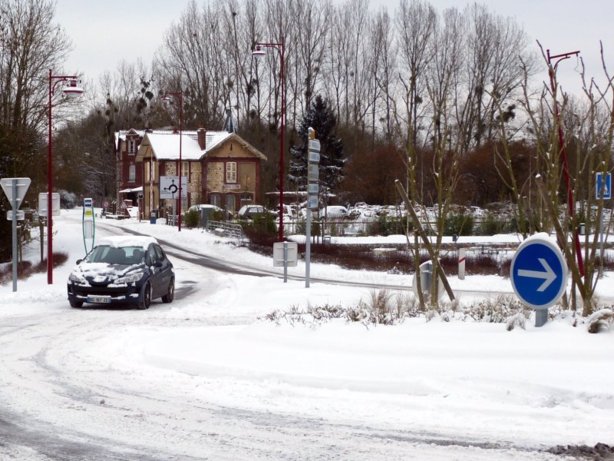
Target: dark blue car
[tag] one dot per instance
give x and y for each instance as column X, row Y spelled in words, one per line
column 125, row 270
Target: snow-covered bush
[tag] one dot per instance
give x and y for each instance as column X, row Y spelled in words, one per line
column 601, row 320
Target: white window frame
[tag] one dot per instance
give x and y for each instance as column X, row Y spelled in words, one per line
column 131, row 146
column 132, row 172
column 231, row 172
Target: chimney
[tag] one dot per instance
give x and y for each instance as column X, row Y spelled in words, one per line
column 202, row 138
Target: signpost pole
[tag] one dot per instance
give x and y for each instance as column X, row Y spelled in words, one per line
column 285, row 262
column 313, row 165
column 14, row 225
column 15, row 189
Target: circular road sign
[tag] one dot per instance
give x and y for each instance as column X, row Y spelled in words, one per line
column 539, row 272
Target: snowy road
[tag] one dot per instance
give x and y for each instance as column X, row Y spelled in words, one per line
column 60, row 401
column 201, row 379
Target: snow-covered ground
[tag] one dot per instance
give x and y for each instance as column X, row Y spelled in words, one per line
column 418, row 390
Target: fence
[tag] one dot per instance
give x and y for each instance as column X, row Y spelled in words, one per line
column 226, row 229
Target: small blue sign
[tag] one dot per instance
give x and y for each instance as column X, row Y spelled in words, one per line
column 539, row 272
column 603, row 186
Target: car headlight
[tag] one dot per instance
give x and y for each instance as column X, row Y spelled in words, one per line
column 77, row 277
column 133, row 277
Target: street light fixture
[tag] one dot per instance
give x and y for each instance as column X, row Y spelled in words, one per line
column 179, row 96
column 260, row 51
column 70, row 89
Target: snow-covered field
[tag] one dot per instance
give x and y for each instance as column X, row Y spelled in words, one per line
column 419, row 390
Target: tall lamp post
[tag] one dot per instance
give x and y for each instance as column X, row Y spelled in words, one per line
column 570, row 199
column 259, row 51
column 179, row 96
column 70, row 89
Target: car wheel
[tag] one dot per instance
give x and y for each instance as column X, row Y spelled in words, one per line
column 170, row 294
column 75, row 303
column 145, row 299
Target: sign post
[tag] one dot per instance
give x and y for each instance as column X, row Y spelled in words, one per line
column 539, row 275
column 89, row 224
column 285, row 254
column 313, row 187
column 15, row 190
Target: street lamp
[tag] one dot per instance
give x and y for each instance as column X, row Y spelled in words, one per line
column 70, row 89
column 552, row 68
column 259, row 51
column 167, row 97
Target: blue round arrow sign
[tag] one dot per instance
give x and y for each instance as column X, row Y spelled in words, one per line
column 539, row 273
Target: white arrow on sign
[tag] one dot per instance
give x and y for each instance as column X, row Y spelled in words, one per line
column 548, row 276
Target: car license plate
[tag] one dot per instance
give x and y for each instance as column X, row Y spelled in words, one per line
column 99, row 299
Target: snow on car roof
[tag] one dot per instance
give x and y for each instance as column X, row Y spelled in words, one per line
column 128, row 241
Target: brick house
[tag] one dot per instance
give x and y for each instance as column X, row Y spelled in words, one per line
column 129, row 175
column 220, row 167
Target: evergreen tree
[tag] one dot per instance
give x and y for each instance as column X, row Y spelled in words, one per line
column 321, row 118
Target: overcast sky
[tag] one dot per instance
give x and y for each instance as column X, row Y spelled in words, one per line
column 104, row 33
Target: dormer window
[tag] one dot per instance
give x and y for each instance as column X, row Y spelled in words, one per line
column 132, row 146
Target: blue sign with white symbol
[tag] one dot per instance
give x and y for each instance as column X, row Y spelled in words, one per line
column 539, row 272
column 603, row 186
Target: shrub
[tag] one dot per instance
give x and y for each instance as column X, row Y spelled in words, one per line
column 492, row 225
column 191, row 219
column 261, row 230
column 458, row 224
column 386, row 225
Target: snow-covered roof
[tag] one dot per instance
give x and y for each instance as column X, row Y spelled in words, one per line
column 165, row 145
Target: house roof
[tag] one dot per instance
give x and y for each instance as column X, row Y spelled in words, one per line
column 165, row 144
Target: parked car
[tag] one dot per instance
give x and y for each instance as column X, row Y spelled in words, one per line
column 334, row 212
column 249, row 211
column 128, row 270
column 209, row 211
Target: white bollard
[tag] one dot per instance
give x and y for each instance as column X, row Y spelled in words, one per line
column 461, row 264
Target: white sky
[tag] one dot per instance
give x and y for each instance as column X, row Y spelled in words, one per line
column 104, row 33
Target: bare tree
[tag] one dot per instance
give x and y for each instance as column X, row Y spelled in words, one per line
column 494, row 46
column 416, row 22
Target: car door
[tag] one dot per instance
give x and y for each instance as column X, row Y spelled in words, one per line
column 164, row 271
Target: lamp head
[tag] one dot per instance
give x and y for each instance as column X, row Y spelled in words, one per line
column 259, row 51
column 72, row 89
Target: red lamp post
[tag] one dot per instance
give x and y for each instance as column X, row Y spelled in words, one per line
column 570, row 198
column 259, row 52
column 179, row 96
column 71, row 89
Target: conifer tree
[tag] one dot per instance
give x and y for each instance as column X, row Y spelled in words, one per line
column 321, row 118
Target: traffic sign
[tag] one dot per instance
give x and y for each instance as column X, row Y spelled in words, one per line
column 603, row 186
column 19, row 214
column 22, row 187
column 169, row 187
column 539, row 272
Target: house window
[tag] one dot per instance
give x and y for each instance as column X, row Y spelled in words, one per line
column 132, row 146
column 231, row 172
column 132, row 173
column 215, row 199
column 231, row 201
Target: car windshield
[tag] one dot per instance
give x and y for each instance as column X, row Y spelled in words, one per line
column 116, row 255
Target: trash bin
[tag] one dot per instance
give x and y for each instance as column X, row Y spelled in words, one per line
column 153, row 217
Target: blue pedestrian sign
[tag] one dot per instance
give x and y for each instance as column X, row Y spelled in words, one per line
column 603, row 186
column 539, row 272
